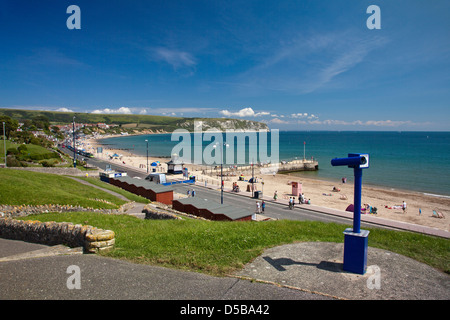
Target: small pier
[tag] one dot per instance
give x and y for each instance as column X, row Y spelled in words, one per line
column 299, row 165
column 270, row 168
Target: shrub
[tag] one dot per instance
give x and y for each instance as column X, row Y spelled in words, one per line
column 22, row 148
column 46, row 163
column 12, row 151
column 11, row 161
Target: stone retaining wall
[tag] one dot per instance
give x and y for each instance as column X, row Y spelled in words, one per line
column 157, row 214
column 92, row 239
column 25, row 210
column 67, row 171
column 162, row 211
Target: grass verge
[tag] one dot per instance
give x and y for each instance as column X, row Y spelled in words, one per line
column 18, row 187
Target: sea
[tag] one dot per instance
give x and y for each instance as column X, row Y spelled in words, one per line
column 417, row 161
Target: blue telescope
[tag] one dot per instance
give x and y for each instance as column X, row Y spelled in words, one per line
column 355, row 244
column 353, row 161
column 357, row 161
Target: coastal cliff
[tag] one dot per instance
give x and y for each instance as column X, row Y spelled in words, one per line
column 223, row 124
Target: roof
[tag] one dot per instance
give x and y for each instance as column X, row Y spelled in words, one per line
column 156, row 187
column 216, row 208
column 175, row 162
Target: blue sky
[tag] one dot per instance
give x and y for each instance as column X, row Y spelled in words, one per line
column 297, row 65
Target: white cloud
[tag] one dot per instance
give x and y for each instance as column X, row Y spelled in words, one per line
column 387, row 123
column 308, row 63
column 64, row 110
column 278, row 121
column 122, row 110
column 177, row 59
column 303, row 116
column 245, row 112
column 376, row 123
column 299, row 115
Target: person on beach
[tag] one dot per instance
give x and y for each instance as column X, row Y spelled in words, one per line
column 404, row 207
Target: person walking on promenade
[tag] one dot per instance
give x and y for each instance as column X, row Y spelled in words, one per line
column 263, row 205
column 275, row 196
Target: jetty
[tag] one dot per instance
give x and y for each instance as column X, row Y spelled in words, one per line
column 268, row 168
column 299, row 165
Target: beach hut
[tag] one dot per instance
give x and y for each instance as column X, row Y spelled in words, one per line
column 297, row 188
column 147, row 189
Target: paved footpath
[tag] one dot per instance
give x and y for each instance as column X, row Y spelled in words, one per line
column 26, row 272
column 302, row 271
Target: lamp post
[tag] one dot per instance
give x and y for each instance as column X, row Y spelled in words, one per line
column 221, row 168
column 74, row 147
column 253, row 179
column 304, row 151
column 147, row 154
column 4, row 141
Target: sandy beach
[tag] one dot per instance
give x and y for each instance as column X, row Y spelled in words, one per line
column 320, row 192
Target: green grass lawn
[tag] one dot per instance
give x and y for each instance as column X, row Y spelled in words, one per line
column 32, row 149
column 105, row 185
column 18, row 187
column 220, row 248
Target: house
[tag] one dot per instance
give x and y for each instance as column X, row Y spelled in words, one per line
column 102, row 125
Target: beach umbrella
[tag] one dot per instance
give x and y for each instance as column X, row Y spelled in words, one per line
column 350, row 208
column 154, row 164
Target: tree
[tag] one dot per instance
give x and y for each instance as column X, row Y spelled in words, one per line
column 55, row 129
column 10, row 125
column 41, row 122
